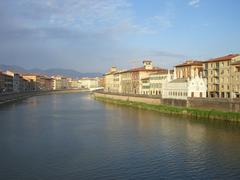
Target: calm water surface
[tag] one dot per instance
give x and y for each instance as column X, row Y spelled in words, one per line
column 74, row 137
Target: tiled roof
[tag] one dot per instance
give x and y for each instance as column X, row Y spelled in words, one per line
column 154, row 69
column 223, row 58
column 161, row 72
column 190, row 63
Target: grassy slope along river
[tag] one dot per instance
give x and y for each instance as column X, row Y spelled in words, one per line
column 192, row 112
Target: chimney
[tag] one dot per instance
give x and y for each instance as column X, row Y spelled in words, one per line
column 147, row 64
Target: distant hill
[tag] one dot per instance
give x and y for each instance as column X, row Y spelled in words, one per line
column 49, row 72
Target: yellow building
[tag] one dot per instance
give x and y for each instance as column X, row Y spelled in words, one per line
column 112, row 81
column 189, row 69
column 221, row 76
column 235, row 78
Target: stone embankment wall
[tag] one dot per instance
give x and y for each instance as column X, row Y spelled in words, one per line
column 227, row 105
column 143, row 98
column 134, row 98
column 175, row 102
column 16, row 96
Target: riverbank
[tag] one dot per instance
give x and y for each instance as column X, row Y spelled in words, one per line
column 8, row 98
column 210, row 114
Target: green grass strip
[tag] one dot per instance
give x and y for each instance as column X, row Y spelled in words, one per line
column 191, row 112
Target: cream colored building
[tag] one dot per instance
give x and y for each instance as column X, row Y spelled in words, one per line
column 157, row 81
column 117, row 85
column 109, row 85
column 74, row 83
column 221, row 76
column 131, row 80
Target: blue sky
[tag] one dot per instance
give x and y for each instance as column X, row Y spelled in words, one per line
column 92, row 35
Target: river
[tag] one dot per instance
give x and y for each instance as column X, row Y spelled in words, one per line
column 72, row 136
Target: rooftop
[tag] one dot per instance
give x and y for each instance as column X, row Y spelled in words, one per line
column 154, row 69
column 190, row 63
column 223, row 58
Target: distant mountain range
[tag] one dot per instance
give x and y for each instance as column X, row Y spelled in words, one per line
column 49, row 72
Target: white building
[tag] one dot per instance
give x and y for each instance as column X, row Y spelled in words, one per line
column 183, row 88
column 89, row 83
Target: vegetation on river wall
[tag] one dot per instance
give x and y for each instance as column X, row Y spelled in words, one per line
column 191, row 112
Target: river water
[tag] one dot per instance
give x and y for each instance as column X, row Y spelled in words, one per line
column 72, row 136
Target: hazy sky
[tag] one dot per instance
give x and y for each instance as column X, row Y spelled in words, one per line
column 92, row 35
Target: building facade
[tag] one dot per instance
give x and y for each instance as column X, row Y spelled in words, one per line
column 221, row 76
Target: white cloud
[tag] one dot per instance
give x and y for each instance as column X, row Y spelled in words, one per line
column 96, row 16
column 194, row 3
